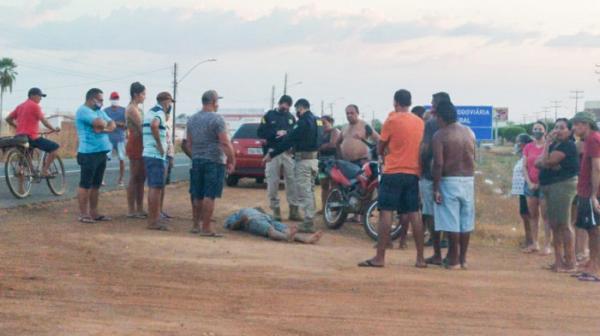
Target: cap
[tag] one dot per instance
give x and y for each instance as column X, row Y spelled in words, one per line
column 164, row 96
column 35, row 92
column 114, row 96
column 585, row 117
column 209, row 96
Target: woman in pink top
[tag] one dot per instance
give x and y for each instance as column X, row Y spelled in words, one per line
column 535, row 199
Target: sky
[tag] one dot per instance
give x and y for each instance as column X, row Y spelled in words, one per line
column 505, row 53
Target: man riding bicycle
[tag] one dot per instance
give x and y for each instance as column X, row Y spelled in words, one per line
column 28, row 116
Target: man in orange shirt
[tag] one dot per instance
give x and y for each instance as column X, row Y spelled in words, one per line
column 401, row 137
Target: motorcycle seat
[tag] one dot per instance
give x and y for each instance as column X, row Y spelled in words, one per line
column 348, row 169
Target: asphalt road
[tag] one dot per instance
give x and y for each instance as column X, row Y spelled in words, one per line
column 41, row 193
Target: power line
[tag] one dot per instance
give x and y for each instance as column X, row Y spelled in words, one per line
column 555, row 105
column 578, row 95
column 105, row 80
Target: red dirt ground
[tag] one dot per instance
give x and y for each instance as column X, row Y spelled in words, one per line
column 59, row 277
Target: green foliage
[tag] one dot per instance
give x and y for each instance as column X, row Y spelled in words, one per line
column 8, row 74
column 509, row 133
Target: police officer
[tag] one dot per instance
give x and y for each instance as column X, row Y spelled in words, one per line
column 305, row 138
column 274, row 126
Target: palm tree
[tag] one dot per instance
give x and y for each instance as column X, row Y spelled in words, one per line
column 8, row 76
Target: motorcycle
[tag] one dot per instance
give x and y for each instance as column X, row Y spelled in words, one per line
column 354, row 192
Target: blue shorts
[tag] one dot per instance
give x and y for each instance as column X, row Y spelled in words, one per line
column 427, row 201
column 155, row 172
column 533, row 193
column 457, row 211
column 260, row 226
column 206, row 179
column 399, row 192
column 44, row 145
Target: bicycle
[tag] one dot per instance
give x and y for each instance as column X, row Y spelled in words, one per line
column 23, row 167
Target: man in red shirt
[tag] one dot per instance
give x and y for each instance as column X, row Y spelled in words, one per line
column 28, row 116
column 588, row 191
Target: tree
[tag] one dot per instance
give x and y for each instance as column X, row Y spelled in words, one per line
column 8, row 76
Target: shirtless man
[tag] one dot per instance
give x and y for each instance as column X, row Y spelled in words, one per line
column 134, row 148
column 453, row 183
column 351, row 144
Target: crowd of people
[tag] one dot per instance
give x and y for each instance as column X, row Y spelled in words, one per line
column 427, row 180
column 557, row 179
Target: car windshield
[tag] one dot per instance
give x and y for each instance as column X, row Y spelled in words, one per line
column 246, row 131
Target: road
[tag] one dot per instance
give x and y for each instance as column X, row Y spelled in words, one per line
column 41, row 193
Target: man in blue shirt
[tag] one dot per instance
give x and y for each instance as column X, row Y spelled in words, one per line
column 93, row 126
column 154, row 132
column 117, row 137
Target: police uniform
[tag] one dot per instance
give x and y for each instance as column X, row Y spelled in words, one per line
column 271, row 123
column 305, row 138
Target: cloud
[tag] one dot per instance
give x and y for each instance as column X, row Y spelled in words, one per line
column 579, row 40
column 213, row 31
column 493, row 34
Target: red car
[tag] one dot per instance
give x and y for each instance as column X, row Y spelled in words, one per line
column 248, row 150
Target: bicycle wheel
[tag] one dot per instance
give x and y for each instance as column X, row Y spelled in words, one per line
column 56, row 180
column 371, row 222
column 18, row 173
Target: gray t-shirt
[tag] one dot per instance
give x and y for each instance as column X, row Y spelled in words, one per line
column 204, row 127
column 427, row 157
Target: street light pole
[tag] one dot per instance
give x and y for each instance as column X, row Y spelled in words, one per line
column 176, row 83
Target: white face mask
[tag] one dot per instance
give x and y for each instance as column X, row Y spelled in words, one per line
column 114, row 103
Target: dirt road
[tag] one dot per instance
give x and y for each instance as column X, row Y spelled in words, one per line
column 59, row 277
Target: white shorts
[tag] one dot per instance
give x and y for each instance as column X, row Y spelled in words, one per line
column 118, row 147
column 427, row 201
column 457, row 211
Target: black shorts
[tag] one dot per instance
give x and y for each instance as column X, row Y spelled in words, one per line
column 523, row 207
column 587, row 218
column 44, row 145
column 92, row 167
column 399, row 192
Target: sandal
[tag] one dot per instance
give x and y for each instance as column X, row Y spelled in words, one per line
column 158, row 228
column 102, row 218
column 210, row 234
column 86, row 220
column 588, row 278
column 369, row 263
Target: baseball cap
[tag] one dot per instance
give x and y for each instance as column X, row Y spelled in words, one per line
column 114, row 96
column 164, row 96
column 35, row 92
column 585, row 117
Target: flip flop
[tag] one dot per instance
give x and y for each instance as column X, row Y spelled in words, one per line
column 369, row 263
column 86, row 220
column 589, row 278
column 158, row 228
column 102, row 218
column 137, row 216
column 210, row 235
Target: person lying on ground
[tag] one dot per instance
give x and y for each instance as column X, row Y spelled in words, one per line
column 257, row 222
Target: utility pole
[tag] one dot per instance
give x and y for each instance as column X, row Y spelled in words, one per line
column 285, row 80
column 273, row 97
column 578, row 94
column 545, row 111
column 555, row 105
column 174, row 116
column 322, row 107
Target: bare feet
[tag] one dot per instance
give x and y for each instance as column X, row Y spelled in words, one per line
column 546, row 252
column 293, row 230
column 421, row 264
column 315, row 237
column 531, row 249
column 464, row 266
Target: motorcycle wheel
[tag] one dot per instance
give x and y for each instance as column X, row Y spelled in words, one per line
column 371, row 222
column 335, row 212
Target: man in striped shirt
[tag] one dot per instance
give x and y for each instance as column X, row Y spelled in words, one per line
column 154, row 133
